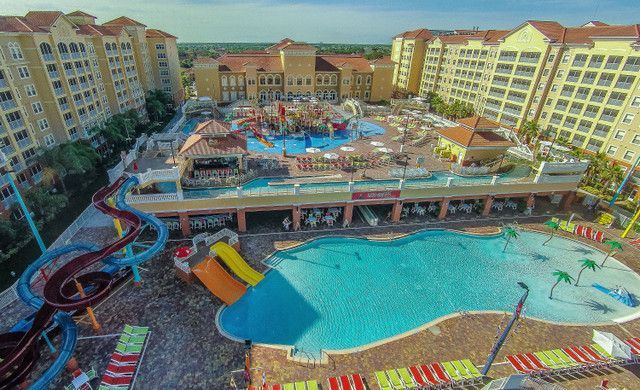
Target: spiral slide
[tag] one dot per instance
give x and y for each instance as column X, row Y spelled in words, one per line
column 218, row 281
column 19, row 350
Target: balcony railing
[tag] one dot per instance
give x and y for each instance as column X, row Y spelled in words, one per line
column 68, row 72
column 74, row 87
column 584, row 129
column 75, row 55
column 65, row 56
column 529, row 60
column 523, row 87
column 581, row 96
column 54, row 74
column 566, row 93
column 575, row 111
column 84, row 85
column 595, row 65
column 69, row 122
column 515, row 98
column 8, row 104
column 524, row 73
column 3, row 83
column 608, row 118
column 572, row 79
column 623, row 85
column 23, row 143
column 579, row 63
column 507, row 58
column 554, row 120
column 615, row 102
column 612, row 65
column 8, row 150
column 64, row 107
column 16, row 124
column 632, row 67
column 597, row 98
column 590, row 114
column 83, row 117
column 600, row 133
column 604, row 82
column 503, row 70
column 80, row 71
column 58, row 91
column 48, row 57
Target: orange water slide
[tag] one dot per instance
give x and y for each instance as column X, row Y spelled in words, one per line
column 218, row 281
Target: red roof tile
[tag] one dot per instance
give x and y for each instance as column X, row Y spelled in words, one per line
column 279, row 45
column 43, row 19
column 97, row 30
column 124, row 21
column 421, row 33
column 386, row 60
column 554, row 31
column 154, row 33
column 17, row 24
column 478, row 139
column 198, row 145
column 80, row 13
column 357, row 62
column 213, row 127
column 478, row 122
column 236, row 62
column 298, row 46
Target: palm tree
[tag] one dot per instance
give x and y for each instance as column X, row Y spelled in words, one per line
column 561, row 276
column 529, row 131
column 554, row 227
column 613, row 247
column 587, row 263
column 510, row 233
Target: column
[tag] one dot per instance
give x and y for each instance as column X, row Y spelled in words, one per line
column 348, row 214
column 184, row 224
column 444, row 205
column 396, row 211
column 567, row 200
column 488, row 202
column 295, row 213
column 242, row 220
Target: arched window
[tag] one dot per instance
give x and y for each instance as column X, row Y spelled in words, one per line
column 358, row 80
column 308, row 80
column 114, row 47
column 298, row 94
column 327, row 79
column 299, row 80
column 368, row 80
column 332, row 95
column 326, row 95
column 319, row 79
column 308, row 93
column 232, row 81
column 277, row 80
column 62, row 48
column 263, row 95
column 128, row 46
column 289, row 95
column 269, row 80
column 240, row 81
column 263, row 80
column 277, row 95
column 289, row 80
column 82, row 48
column 123, row 46
column 319, row 95
column 270, row 95
column 223, row 81
column 107, row 46
column 15, row 51
column 45, row 48
column 334, row 80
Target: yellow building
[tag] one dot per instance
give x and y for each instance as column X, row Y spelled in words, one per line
column 61, row 75
column 580, row 83
column 407, row 53
column 289, row 70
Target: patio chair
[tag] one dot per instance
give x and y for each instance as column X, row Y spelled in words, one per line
column 383, row 381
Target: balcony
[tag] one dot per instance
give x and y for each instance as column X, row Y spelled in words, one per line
column 511, row 110
column 25, row 142
column 65, row 56
column 515, row 98
column 581, row 96
column 524, row 73
column 589, row 80
column 615, row 102
column 54, row 74
column 69, row 122
column 529, row 60
column 64, row 107
column 595, row 65
column 84, row 85
column 74, row 137
column 597, row 98
column 88, row 100
column 16, row 124
column 584, row 129
column 507, row 58
column 48, row 57
column 607, row 118
column 83, row 117
column 37, row 177
column 504, row 70
column 8, row 150
column 493, row 105
column 8, row 201
column 58, row 91
column 74, row 87
column 579, row 63
column 80, row 71
column 3, row 83
column 560, row 107
column 566, row 93
column 555, row 120
column 623, row 85
column 17, row 167
column 575, row 110
column 523, row 87
column 496, row 94
column 75, row 55
column 604, row 82
column 601, row 133
column 631, row 67
column 572, row 79
column 8, row 104
column 68, row 72
column 590, row 114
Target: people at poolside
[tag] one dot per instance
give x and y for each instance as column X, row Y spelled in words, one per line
column 286, row 223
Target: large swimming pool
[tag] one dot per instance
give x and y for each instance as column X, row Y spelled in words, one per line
column 298, row 144
column 341, row 293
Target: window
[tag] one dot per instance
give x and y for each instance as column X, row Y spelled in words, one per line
column 554, row 87
column 612, row 150
column 636, row 139
column 49, row 140
column 31, row 90
column 23, row 72
column 635, row 102
column 36, row 107
column 628, row 155
column 619, row 134
column 43, row 124
column 15, row 51
column 627, row 119
column 159, row 46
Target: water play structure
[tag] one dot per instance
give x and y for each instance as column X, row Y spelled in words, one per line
column 70, row 289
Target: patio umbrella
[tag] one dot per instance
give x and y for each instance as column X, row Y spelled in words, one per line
column 331, row 156
column 312, row 150
column 385, row 150
column 347, row 149
column 612, row 344
column 377, row 143
column 182, row 252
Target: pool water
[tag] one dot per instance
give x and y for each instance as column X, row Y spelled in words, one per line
column 341, row 293
column 298, row 144
column 263, row 184
column 189, row 126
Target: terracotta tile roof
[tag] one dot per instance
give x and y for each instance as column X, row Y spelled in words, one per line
column 97, row 30
column 486, row 36
column 236, row 62
column 213, row 127
column 386, row 60
column 43, row 19
column 204, row 60
column 357, row 62
column 198, row 145
column 594, row 23
column 298, row 46
column 478, row 139
column 154, row 33
column 322, row 65
column 554, row 31
column 17, row 24
column 80, row 13
column 494, row 36
column 421, row 33
column 124, row 21
column 453, row 39
column 478, row 122
column 279, row 45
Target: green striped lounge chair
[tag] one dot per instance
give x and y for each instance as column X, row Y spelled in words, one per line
column 406, row 377
column 136, row 330
column 383, row 381
column 395, row 379
column 452, row 372
column 312, row 385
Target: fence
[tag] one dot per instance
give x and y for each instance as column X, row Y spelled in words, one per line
column 117, row 171
column 8, row 296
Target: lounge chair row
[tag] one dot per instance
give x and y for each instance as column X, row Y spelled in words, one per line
column 124, row 361
column 434, row 375
column 347, row 382
column 302, row 385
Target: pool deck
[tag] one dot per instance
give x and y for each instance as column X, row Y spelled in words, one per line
column 186, row 351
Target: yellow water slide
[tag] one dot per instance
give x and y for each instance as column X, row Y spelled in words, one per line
column 236, row 263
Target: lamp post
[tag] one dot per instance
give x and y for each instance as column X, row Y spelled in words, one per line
column 7, row 173
column 406, row 155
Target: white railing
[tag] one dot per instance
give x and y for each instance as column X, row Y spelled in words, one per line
column 152, row 198
column 470, row 170
column 563, row 167
column 117, row 171
column 63, row 239
column 151, row 175
column 8, row 296
column 558, row 179
column 211, row 239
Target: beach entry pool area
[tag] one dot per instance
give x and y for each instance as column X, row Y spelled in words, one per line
column 339, row 293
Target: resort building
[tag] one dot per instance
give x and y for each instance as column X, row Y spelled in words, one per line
column 289, row 70
column 62, row 75
column 579, row 83
column 407, row 52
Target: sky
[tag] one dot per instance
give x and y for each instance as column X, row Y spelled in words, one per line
column 364, row 21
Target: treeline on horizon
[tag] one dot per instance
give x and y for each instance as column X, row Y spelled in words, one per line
column 188, row 51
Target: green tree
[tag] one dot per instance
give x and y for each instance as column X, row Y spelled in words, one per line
column 509, row 233
column 529, row 131
column 554, row 228
column 614, row 246
column 586, row 263
column 43, row 204
column 561, row 276
column 70, row 157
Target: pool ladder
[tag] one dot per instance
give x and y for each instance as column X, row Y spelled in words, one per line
column 311, row 360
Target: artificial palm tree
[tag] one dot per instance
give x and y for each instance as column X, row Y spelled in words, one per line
column 551, row 224
column 586, row 263
column 561, row 276
column 510, row 233
column 613, row 247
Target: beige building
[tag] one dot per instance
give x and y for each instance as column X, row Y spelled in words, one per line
column 579, row 83
column 407, row 53
column 289, row 70
column 62, row 75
